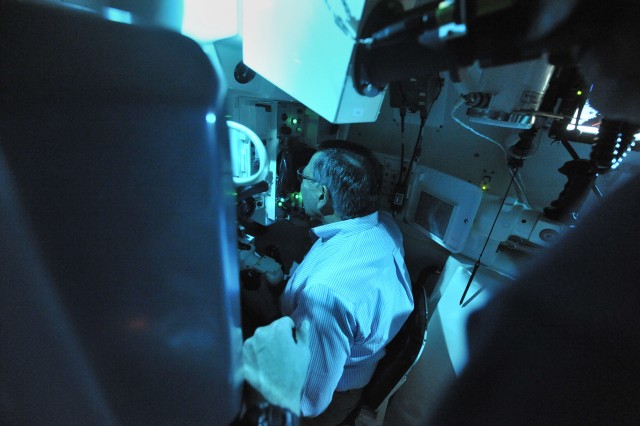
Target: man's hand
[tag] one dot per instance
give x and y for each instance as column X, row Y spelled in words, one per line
column 276, row 365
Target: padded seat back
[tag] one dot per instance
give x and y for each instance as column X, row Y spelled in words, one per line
column 401, row 354
column 115, row 140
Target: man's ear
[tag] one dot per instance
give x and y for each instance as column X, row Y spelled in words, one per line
column 325, row 203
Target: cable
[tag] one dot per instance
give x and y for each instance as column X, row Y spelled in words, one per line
column 471, row 129
column 400, row 190
column 521, row 192
column 424, row 114
column 403, row 113
column 416, row 148
column 522, row 195
column 476, row 266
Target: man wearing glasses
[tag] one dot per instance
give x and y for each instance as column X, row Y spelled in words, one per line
column 353, row 286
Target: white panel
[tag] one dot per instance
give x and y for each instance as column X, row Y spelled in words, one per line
column 229, row 54
column 210, row 20
column 442, row 192
column 299, row 47
column 451, row 315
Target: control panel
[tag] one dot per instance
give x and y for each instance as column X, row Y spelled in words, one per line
column 389, row 174
column 289, row 133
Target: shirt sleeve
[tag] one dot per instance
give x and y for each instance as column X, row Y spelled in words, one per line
column 331, row 338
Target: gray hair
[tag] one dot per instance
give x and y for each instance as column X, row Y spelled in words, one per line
column 350, row 173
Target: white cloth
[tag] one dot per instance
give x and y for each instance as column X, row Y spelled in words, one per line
column 354, row 289
column 275, row 364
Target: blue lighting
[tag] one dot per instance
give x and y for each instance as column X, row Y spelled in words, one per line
column 118, row 15
column 211, row 118
column 206, row 21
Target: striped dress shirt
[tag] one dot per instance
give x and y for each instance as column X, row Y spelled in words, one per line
column 354, row 288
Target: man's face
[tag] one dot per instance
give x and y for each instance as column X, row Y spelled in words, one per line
column 311, row 190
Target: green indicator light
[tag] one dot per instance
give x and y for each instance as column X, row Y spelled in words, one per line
column 279, row 203
column 299, row 130
column 294, row 121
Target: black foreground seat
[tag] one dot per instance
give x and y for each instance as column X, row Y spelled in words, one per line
column 401, row 355
column 118, row 292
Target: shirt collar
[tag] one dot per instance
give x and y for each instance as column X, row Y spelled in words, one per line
column 345, row 227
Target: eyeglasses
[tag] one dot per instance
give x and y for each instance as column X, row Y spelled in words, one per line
column 301, row 175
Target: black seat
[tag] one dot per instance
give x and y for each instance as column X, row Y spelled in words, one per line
column 117, row 257
column 401, row 355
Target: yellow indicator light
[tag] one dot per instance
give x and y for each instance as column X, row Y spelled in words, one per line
column 485, row 184
column 579, row 92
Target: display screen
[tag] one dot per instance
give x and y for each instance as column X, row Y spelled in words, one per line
column 433, row 214
column 588, row 122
